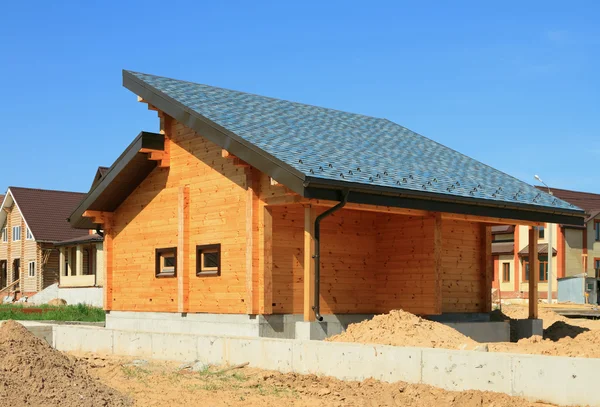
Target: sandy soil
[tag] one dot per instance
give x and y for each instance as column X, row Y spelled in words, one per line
column 34, row 374
column 163, row 384
column 562, row 336
column 401, row 328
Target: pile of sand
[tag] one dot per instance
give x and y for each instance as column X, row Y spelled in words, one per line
column 401, row 328
column 34, row 374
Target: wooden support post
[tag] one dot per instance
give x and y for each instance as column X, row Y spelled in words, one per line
column 250, row 198
column 487, row 267
column 265, row 278
column 69, row 261
column 309, row 263
column 183, row 249
column 437, row 259
column 79, row 260
column 534, row 270
column 61, row 263
column 108, row 264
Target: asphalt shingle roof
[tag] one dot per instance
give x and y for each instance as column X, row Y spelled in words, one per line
column 46, row 212
column 338, row 146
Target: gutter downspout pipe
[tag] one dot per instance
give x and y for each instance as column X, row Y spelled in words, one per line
column 317, row 307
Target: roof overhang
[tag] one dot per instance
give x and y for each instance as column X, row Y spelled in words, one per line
column 128, row 171
column 330, row 190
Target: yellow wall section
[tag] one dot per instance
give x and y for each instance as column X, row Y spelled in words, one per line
column 148, row 220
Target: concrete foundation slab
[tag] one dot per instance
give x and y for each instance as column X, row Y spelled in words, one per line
column 483, row 331
column 526, row 328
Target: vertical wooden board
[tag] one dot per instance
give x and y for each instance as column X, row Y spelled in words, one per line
column 250, row 198
column 437, row 256
column 183, row 249
column 309, row 263
column 516, row 259
column 108, row 264
column 487, row 267
column 534, row 269
column 266, row 306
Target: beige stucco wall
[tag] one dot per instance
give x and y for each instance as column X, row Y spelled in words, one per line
column 524, row 241
column 573, row 252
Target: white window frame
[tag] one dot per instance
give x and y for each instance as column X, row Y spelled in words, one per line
column 16, row 229
column 30, row 269
column 29, row 235
column 5, row 234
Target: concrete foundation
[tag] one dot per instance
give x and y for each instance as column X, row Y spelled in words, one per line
column 93, row 296
column 559, row 380
column 266, row 326
column 526, row 328
column 483, row 331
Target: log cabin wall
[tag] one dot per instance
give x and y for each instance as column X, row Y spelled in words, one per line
column 462, row 273
column 405, row 264
column 348, row 261
column 148, row 220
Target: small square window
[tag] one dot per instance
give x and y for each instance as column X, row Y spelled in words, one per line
column 208, row 260
column 166, row 262
column 29, row 235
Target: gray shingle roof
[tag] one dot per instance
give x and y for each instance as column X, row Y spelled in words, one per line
column 332, row 145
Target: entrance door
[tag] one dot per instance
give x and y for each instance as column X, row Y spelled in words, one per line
column 3, row 273
column 16, row 269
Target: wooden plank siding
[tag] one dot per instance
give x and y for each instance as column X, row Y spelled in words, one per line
column 461, row 267
column 148, row 220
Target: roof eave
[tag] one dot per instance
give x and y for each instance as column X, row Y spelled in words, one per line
column 143, row 140
column 385, row 196
column 258, row 158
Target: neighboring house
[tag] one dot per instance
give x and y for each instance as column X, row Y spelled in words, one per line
column 32, row 221
column 214, row 225
column 576, row 250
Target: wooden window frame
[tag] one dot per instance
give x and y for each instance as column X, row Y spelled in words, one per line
column 14, row 228
column 526, row 263
column 28, row 234
column 5, row 235
column 542, row 232
column 29, row 269
column 597, row 230
column 158, row 272
column 504, row 279
column 200, row 250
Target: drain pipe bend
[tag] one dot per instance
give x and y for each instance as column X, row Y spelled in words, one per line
column 317, row 307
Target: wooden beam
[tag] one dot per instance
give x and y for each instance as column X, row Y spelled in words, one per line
column 534, row 269
column 108, row 265
column 265, row 221
column 492, row 221
column 183, row 249
column 372, row 208
column 250, row 197
column 309, row 263
column 437, row 261
column 487, row 267
column 236, row 160
column 98, row 217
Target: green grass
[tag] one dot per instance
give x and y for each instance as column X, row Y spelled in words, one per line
column 79, row 312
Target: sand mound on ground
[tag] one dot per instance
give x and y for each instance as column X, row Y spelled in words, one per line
column 401, row 328
column 34, row 374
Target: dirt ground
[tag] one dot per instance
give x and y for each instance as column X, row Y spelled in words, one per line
column 163, row 383
column 562, row 336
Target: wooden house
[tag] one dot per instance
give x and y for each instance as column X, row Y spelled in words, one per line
column 251, row 215
column 575, row 251
column 32, row 221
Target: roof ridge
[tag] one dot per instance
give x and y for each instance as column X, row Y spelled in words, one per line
column 47, row 190
column 257, row 95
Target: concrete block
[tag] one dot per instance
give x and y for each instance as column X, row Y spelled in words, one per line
column 467, row 370
column 132, row 344
column 83, row 339
column 211, row 350
column 177, row 347
column 349, row 361
column 526, row 328
column 559, row 380
column 483, row 331
column 317, row 330
column 270, row 354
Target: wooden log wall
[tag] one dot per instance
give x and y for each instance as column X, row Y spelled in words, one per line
column 149, row 219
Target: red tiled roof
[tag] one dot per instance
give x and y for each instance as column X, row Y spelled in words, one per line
column 46, row 212
column 587, row 201
column 501, row 229
column 82, row 239
column 503, row 247
column 542, row 249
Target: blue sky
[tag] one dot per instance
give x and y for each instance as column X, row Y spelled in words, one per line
column 513, row 84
